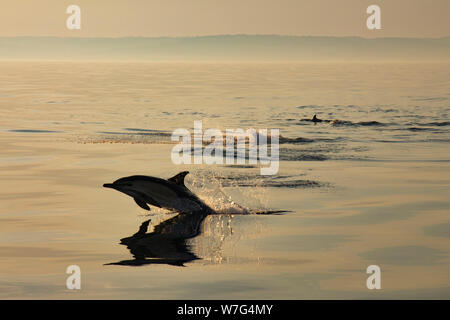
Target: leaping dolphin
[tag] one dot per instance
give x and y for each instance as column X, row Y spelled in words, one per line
column 169, row 194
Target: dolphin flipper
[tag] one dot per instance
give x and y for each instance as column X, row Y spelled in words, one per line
column 141, row 203
column 179, row 178
column 152, row 201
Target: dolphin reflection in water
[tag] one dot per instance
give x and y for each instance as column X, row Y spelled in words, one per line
column 168, row 242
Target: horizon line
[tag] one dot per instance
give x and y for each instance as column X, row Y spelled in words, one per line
column 227, row 35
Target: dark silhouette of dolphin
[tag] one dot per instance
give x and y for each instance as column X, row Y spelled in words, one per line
column 315, row 119
column 167, row 244
column 169, row 194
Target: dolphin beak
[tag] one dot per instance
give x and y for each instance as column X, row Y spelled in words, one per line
column 109, row 185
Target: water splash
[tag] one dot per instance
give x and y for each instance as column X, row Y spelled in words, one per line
column 215, row 191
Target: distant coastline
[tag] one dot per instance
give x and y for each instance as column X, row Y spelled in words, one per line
column 227, row 47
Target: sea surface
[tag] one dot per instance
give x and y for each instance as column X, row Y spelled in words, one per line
column 369, row 185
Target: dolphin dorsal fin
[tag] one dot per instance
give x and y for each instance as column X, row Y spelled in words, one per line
column 179, row 178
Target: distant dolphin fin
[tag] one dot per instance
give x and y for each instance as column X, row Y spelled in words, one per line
column 179, row 178
column 141, row 203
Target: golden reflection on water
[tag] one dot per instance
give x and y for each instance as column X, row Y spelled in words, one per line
column 54, row 212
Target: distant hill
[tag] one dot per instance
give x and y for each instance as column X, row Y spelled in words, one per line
column 227, row 47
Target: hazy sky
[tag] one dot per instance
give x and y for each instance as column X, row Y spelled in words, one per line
column 117, row 18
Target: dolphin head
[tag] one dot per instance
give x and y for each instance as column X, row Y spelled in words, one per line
column 125, row 185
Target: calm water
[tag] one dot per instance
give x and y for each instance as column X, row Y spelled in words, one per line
column 371, row 187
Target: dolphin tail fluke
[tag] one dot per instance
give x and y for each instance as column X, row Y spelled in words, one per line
column 179, row 178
